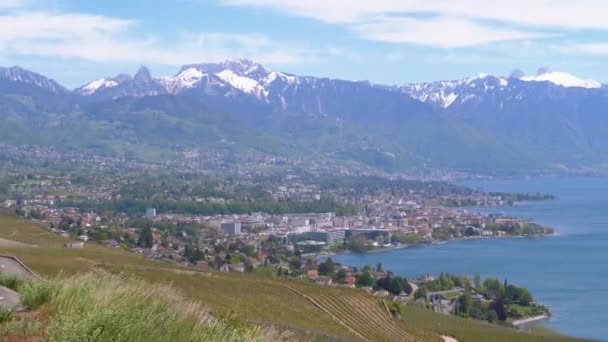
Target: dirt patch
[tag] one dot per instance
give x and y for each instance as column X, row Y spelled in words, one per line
column 11, row 243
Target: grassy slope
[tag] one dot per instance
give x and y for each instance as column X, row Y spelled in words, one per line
column 299, row 306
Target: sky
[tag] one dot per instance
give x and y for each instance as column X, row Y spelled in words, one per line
column 383, row 41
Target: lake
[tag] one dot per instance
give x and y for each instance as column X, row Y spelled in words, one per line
column 568, row 272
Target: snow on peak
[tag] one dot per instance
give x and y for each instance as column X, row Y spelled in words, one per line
column 93, row 86
column 242, row 83
column 273, row 76
column 189, row 77
column 446, row 93
column 18, row 74
column 186, row 78
column 562, row 79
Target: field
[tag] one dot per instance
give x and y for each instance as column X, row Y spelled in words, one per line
column 309, row 311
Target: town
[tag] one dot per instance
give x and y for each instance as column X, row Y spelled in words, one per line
column 282, row 224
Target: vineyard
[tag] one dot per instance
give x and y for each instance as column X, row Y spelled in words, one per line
column 362, row 314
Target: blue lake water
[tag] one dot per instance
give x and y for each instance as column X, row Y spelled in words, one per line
column 568, row 272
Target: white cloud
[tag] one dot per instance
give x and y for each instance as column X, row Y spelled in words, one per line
column 11, row 4
column 443, row 32
column 412, row 21
column 107, row 39
column 599, row 49
column 555, row 13
column 56, row 26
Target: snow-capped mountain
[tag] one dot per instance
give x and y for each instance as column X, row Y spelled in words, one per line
column 230, row 78
column 562, row 79
column 449, row 94
column 552, row 118
column 18, row 74
column 446, row 93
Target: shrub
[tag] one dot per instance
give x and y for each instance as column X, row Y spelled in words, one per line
column 6, row 313
column 35, row 294
column 10, row 281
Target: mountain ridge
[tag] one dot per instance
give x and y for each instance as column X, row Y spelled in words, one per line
column 481, row 122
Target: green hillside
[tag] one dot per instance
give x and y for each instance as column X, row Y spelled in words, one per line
column 296, row 309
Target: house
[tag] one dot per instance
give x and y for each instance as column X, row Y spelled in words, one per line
column 224, row 268
column 350, row 280
column 74, row 245
column 312, row 274
column 382, row 294
column 261, row 256
column 478, row 298
column 203, row 265
column 84, row 238
column 240, row 267
column 110, row 243
column 323, row 280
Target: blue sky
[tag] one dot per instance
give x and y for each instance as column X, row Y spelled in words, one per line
column 384, row 41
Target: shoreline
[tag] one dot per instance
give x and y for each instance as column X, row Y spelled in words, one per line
column 431, row 244
column 518, row 323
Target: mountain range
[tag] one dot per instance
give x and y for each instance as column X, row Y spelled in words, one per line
column 549, row 121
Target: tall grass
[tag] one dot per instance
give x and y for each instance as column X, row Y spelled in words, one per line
column 10, row 281
column 103, row 307
column 6, row 313
column 35, row 294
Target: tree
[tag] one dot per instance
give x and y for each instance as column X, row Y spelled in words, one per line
column 477, row 282
column 465, row 302
column 420, row 293
column 405, row 285
column 248, row 266
column 379, row 267
column 524, row 297
column 196, row 255
column 146, row 240
column 326, row 268
column 499, row 307
column 357, row 244
column 340, row 276
column 492, row 316
column 295, row 263
column 392, row 285
column 365, row 280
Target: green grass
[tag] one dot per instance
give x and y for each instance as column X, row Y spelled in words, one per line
column 98, row 306
column 35, row 294
column 10, row 281
column 6, row 313
column 451, row 294
column 28, row 232
column 526, row 311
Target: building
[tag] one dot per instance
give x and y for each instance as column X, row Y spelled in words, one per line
column 74, row 245
column 231, row 228
column 336, row 236
column 316, row 236
column 150, row 213
column 370, row 234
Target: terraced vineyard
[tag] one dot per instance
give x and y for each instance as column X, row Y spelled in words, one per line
column 362, row 314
